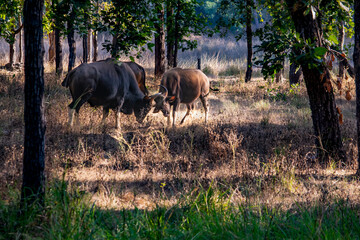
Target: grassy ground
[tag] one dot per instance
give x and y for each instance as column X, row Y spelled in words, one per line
column 251, row 172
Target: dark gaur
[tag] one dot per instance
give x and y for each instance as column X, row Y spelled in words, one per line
column 140, row 75
column 110, row 84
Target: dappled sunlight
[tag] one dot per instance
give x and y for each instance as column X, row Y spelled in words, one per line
column 258, row 143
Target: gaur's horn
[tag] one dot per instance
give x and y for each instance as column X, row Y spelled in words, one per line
column 166, row 91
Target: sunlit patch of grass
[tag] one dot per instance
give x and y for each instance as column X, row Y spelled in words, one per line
column 262, row 105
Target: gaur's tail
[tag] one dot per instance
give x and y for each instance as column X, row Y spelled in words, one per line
column 214, row 89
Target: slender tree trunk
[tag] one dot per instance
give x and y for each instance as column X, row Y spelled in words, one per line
column 52, row 47
column 279, row 76
column 114, row 47
column 34, row 141
column 342, row 65
column 86, row 41
column 58, row 52
column 11, row 54
column 94, row 40
column 176, row 33
column 356, row 58
column 249, row 40
column 317, row 80
column 89, row 44
column 71, row 42
column 170, row 34
column 160, row 44
column 20, row 45
column 85, row 48
column 295, row 74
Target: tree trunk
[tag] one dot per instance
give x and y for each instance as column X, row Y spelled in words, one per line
column 160, row 44
column 58, row 52
column 52, row 47
column 249, row 40
column 94, row 40
column 176, row 33
column 34, row 141
column 85, row 48
column 321, row 97
column 89, row 45
column 11, row 54
column 170, row 34
column 342, row 65
column 295, row 77
column 71, row 41
column 20, row 46
column 356, row 58
column 279, row 76
column 114, row 47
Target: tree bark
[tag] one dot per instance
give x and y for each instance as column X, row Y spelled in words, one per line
column 86, row 41
column 176, row 32
column 279, row 76
column 342, row 65
column 52, row 47
column 94, row 40
column 34, row 141
column 85, row 48
column 20, row 45
column 71, row 41
column 58, row 52
column 160, row 43
column 249, row 40
column 356, row 58
column 295, row 77
column 317, row 79
column 89, row 45
column 11, row 54
column 170, row 34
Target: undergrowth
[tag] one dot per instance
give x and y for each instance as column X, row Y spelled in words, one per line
column 203, row 213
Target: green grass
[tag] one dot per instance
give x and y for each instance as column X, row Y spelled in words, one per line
column 201, row 214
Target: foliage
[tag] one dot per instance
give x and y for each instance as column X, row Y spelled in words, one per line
column 129, row 22
column 233, row 16
column 10, row 14
column 191, row 22
column 279, row 39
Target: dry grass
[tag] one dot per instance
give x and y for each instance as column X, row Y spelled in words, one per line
column 258, row 146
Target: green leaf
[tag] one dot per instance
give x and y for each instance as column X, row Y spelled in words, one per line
column 320, row 51
column 333, row 39
column 132, row 58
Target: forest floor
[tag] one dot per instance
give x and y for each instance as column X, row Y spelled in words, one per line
column 258, row 145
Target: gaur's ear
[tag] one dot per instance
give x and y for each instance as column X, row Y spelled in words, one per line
column 150, row 100
column 147, row 98
column 171, row 99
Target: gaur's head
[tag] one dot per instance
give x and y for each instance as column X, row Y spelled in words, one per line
column 163, row 101
column 143, row 107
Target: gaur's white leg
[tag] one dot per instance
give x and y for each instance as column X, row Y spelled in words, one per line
column 174, row 117
column 71, row 116
column 168, row 121
column 117, row 118
column 77, row 122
